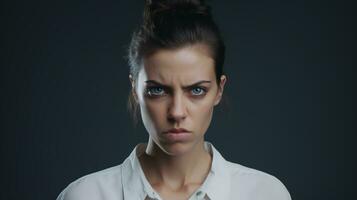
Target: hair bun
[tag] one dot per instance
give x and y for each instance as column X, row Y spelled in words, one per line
column 175, row 2
column 157, row 7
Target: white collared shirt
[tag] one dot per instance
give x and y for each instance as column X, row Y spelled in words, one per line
column 225, row 181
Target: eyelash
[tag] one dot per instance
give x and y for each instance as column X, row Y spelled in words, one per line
column 149, row 91
column 202, row 89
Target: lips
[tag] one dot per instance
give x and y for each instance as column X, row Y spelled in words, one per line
column 178, row 135
column 177, row 130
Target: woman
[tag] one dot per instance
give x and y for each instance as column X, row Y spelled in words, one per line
column 176, row 61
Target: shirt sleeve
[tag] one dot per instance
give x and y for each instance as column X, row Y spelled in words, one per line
column 270, row 188
column 256, row 185
column 97, row 186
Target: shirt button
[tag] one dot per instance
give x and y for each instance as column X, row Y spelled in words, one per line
column 198, row 193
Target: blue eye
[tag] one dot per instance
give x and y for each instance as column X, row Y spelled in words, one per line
column 197, row 91
column 155, row 91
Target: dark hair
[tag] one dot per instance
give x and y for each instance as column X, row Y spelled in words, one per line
column 173, row 24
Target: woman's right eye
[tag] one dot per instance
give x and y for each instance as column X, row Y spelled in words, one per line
column 155, row 91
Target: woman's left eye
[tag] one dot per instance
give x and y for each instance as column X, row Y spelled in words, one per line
column 198, row 91
column 155, row 91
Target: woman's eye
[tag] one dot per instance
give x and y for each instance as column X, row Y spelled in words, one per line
column 155, row 91
column 197, row 91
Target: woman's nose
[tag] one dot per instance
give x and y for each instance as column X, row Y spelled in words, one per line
column 177, row 109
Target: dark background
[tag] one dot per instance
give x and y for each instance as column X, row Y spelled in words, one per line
column 289, row 107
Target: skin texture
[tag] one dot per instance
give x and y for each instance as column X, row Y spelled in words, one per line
column 177, row 167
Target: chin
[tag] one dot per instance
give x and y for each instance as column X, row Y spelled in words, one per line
column 177, row 148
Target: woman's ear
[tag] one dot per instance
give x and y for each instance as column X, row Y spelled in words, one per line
column 221, row 85
column 133, row 90
column 131, row 81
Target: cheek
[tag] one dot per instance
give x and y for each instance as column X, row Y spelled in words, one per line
column 202, row 119
column 152, row 113
column 202, row 111
column 155, row 109
column 204, row 105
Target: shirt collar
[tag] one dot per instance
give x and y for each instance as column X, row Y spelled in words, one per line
column 136, row 186
column 217, row 185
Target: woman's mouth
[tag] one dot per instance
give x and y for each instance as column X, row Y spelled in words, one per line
column 177, row 135
column 177, row 130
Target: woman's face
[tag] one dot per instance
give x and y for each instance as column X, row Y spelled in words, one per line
column 177, row 91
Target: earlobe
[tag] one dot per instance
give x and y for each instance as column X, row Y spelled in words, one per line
column 220, row 89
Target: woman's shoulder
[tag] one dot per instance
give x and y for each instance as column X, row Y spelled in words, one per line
column 256, row 184
column 93, row 186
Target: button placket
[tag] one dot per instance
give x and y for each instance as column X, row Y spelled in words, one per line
column 199, row 195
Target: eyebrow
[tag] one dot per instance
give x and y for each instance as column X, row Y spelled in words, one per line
column 185, row 87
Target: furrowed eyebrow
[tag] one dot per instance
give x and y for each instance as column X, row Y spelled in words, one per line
column 185, row 87
column 153, row 82
column 196, row 84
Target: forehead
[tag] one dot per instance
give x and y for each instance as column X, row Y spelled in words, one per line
column 186, row 64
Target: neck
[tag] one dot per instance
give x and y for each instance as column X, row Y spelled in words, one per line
column 176, row 171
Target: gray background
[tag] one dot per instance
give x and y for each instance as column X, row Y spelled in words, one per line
column 288, row 108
